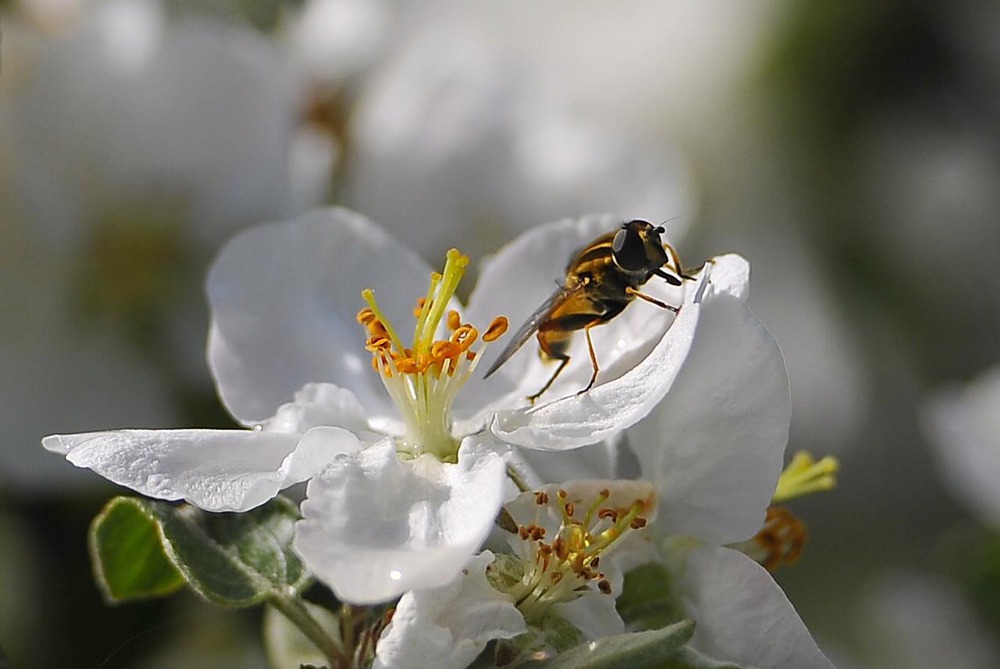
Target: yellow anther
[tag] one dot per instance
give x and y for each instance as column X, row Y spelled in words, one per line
column 420, row 306
column 366, row 316
column 454, row 320
column 497, row 327
column 804, row 476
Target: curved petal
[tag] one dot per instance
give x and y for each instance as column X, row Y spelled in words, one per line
column 650, row 352
column 714, row 446
column 216, row 470
column 374, row 526
column 741, row 614
column 448, row 627
column 284, row 298
column 608, row 408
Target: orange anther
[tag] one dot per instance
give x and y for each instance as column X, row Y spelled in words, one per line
column 496, row 329
column 465, row 335
column 454, row 320
column 407, row 366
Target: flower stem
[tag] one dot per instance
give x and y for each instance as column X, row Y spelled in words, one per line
column 298, row 615
column 517, row 479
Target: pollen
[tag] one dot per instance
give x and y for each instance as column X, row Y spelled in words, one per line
column 424, row 378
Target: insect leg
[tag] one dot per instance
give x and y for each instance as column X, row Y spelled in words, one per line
column 563, row 361
column 593, row 357
column 652, row 300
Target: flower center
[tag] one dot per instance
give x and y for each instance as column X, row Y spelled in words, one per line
column 560, row 567
column 424, row 379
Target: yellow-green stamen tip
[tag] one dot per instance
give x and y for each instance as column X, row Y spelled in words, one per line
column 424, row 378
column 804, row 476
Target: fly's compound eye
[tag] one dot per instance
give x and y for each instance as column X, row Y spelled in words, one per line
column 628, row 250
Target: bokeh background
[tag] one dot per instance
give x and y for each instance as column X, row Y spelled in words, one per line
column 850, row 150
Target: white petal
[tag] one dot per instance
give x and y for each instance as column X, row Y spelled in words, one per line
column 603, row 460
column 374, row 526
column 608, row 408
column 284, row 298
column 741, row 615
column 320, row 404
column 730, row 274
column 216, row 470
column 448, row 627
column 593, row 613
column 714, row 446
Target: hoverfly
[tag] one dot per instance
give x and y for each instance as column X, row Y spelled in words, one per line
column 601, row 280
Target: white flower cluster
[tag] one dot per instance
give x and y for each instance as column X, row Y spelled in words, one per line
column 405, row 487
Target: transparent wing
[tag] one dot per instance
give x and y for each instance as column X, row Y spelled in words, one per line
column 531, row 325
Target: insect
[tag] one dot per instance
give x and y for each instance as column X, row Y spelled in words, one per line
column 601, row 280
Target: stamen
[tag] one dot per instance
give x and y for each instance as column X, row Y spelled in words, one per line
column 498, row 326
column 782, row 538
column 423, row 379
column 560, row 570
column 804, row 476
column 369, row 296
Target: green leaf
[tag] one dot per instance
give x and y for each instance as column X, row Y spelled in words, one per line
column 651, row 649
column 233, row 559
column 538, row 643
column 647, row 600
column 128, row 558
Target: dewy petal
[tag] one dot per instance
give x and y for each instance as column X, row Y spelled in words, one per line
column 448, row 627
column 714, row 446
column 216, row 470
column 741, row 615
column 375, row 526
column 284, row 298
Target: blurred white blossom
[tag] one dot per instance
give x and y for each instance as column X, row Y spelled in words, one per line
column 455, row 137
column 918, row 621
column 963, row 423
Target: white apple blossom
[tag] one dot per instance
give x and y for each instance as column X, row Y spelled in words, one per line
column 713, row 447
column 963, row 424
column 565, row 541
column 404, row 485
